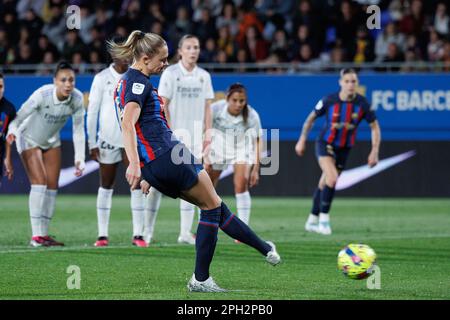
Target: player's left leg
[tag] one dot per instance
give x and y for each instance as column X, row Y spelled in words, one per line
column 243, row 199
column 52, row 163
column 137, row 211
column 328, row 166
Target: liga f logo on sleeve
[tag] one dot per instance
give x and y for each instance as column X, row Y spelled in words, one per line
column 137, row 88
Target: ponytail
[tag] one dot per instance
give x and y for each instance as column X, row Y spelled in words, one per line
column 137, row 44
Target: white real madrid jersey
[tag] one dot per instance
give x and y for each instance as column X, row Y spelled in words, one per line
column 42, row 116
column 187, row 92
column 101, row 109
column 231, row 132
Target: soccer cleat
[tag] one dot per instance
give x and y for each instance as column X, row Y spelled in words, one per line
column 187, row 239
column 311, row 227
column 52, row 242
column 101, row 242
column 272, row 256
column 203, row 286
column 38, row 241
column 324, row 228
column 139, row 241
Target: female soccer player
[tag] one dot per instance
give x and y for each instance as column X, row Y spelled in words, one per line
column 36, row 132
column 344, row 111
column 108, row 150
column 7, row 114
column 236, row 140
column 165, row 163
column 186, row 91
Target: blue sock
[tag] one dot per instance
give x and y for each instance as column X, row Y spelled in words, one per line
column 326, row 197
column 235, row 228
column 205, row 241
column 316, row 202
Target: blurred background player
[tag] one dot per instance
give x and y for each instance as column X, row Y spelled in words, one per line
column 186, row 91
column 36, row 132
column 344, row 111
column 236, row 140
column 7, row 114
column 107, row 149
column 150, row 145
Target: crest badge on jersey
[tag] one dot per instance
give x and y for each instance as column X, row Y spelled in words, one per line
column 138, row 88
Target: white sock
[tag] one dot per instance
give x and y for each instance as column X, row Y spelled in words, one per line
column 35, row 203
column 313, row 219
column 104, row 199
column 244, row 205
column 137, row 211
column 324, row 217
column 187, row 211
column 48, row 210
column 152, row 203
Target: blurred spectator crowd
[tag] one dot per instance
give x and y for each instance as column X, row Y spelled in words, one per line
column 304, row 32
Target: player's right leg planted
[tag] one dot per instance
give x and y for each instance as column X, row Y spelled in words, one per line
column 205, row 245
column 312, row 224
column 36, row 203
column 327, row 195
column 235, row 228
column 104, row 200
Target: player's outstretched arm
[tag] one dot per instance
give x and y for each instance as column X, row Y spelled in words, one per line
column 376, row 140
column 300, row 147
column 131, row 114
column 79, row 140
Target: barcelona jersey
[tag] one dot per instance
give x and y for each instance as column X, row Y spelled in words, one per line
column 154, row 137
column 342, row 119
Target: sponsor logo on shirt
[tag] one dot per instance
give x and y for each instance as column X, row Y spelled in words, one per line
column 138, row 88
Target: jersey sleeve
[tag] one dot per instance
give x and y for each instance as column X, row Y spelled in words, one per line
column 32, row 104
column 78, row 132
column 166, row 85
column 95, row 101
column 209, row 91
column 369, row 114
column 136, row 91
column 321, row 107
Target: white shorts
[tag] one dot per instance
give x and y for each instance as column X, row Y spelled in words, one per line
column 109, row 154
column 220, row 159
column 23, row 143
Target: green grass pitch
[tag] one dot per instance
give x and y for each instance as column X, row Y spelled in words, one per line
column 411, row 238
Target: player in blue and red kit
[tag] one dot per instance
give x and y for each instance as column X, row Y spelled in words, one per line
column 7, row 114
column 344, row 111
column 163, row 162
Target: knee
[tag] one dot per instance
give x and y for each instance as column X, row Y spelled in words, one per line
column 241, row 185
column 331, row 180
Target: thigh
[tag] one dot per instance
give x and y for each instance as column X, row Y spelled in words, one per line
column 33, row 163
column 52, row 163
column 108, row 175
column 202, row 194
column 328, row 166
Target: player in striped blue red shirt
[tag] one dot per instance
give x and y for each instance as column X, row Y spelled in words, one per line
column 7, row 114
column 343, row 111
column 158, row 159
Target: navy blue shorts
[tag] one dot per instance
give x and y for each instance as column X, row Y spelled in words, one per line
column 340, row 155
column 171, row 177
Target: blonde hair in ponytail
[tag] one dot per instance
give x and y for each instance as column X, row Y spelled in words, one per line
column 137, row 44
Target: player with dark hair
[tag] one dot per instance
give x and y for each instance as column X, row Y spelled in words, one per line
column 36, row 132
column 165, row 163
column 344, row 111
column 236, row 141
column 106, row 147
column 7, row 114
